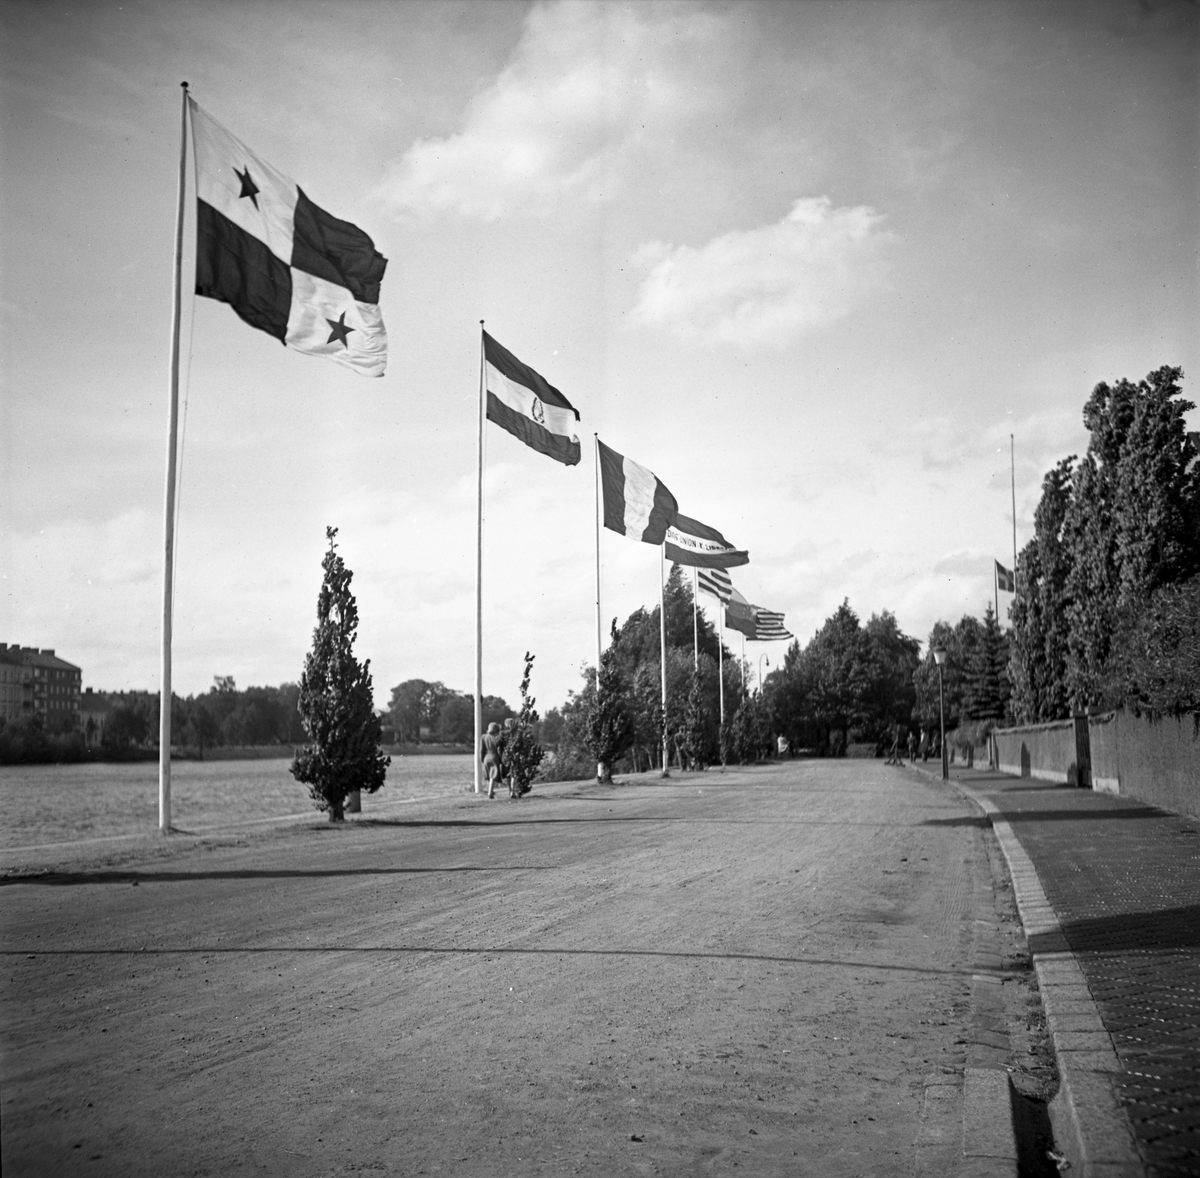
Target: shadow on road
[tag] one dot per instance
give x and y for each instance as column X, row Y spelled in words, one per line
column 76, row 878
column 493, row 951
column 1168, row 928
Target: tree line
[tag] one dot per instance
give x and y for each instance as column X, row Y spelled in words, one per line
column 1107, row 609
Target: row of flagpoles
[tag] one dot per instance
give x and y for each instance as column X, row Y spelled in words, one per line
column 631, row 500
column 310, row 280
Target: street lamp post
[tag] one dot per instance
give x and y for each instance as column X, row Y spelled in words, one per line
column 939, row 657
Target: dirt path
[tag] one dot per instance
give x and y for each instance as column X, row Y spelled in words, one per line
column 757, row 972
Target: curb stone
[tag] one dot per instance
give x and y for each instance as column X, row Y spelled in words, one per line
column 1090, row 1126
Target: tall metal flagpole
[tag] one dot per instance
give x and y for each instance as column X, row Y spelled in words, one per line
column 1012, row 469
column 599, row 641
column 479, row 570
column 164, row 698
column 695, row 620
column 996, row 588
column 662, row 634
column 721, row 654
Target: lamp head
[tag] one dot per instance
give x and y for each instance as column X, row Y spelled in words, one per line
column 939, row 655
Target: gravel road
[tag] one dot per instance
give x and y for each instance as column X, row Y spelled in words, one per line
column 758, row 971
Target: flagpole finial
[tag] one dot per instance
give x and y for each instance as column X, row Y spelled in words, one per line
column 184, row 85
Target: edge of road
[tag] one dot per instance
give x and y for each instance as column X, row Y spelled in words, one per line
column 1090, row 1126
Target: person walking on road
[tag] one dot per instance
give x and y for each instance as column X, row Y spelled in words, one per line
column 912, row 746
column 490, row 753
column 923, row 746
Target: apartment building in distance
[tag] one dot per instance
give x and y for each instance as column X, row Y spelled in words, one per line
column 38, row 683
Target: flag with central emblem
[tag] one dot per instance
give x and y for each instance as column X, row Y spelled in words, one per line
column 282, row 263
column 528, row 406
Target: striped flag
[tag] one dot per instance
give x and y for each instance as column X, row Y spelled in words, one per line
column 284, row 265
column 715, row 582
column 528, row 406
column 769, row 627
column 636, row 504
column 1005, row 579
column 690, row 542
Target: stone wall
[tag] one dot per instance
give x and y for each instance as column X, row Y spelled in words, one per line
column 1044, row 751
column 1154, row 761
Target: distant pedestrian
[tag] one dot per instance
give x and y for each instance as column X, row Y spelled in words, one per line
column 923, row 746
column 490, row 749
column 894, row 755
column 505, row 759
column 784, row 746
column 912, row 745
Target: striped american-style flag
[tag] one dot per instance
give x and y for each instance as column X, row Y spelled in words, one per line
column 768, row 626
column 716, row 582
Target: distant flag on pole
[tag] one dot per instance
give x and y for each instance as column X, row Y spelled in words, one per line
column 1005, row 579
column 739, row 615
column 690, row 542
column 282, row 263
column 528, row 406
column 717, row 583
column 768, row 626
column 636, row 503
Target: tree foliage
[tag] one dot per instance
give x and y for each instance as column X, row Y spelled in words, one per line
column 522, row 750
column 850, row 683
column 1111, row 534
column 335, row 700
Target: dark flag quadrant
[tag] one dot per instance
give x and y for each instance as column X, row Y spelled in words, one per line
column 281, row 262
column 1005, row 579
column 690, row 542
column 525, row 404
column 636, row 503
column 715, row 582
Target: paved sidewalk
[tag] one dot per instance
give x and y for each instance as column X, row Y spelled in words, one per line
column 1109, row 891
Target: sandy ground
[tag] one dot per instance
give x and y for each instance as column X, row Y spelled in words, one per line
column 756, row 972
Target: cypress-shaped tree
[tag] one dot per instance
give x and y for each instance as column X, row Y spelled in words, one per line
column 522, row 752
column 336, row 701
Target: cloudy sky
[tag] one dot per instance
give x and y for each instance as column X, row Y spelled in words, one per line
column 812, row 263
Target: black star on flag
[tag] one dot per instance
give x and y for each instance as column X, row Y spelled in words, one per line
column 340, row 331
column 249, row 188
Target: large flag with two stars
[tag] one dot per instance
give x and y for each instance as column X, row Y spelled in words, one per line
column 281, row 262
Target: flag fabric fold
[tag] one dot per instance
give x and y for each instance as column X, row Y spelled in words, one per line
column 1005, row 579
column 523, row 402
column 280, row 261
column 690, row 542
column 636, row 503
column 715, row 582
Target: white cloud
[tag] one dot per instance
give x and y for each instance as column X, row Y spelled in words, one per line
column 589, row 86
column 770, row 284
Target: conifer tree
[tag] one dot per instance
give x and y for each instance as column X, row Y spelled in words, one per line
column 336, row 701
column 522, row 752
